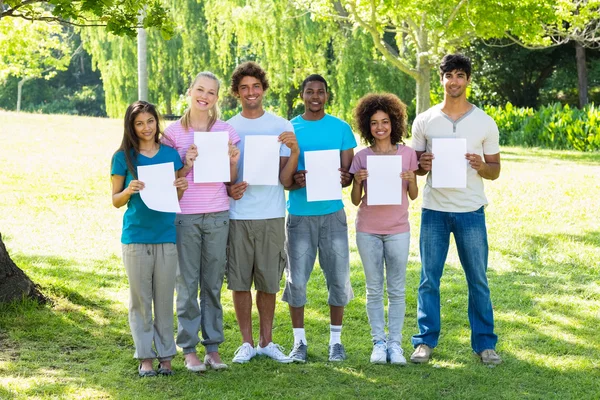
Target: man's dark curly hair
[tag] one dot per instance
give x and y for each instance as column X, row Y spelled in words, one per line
column 388, row 103
column 249, row 68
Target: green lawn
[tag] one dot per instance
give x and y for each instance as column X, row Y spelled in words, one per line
column 58, row 223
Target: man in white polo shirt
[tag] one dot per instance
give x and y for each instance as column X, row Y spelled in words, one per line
column 456, row 211
column 257, row 226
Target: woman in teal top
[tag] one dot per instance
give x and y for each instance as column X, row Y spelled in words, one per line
column 148, row 239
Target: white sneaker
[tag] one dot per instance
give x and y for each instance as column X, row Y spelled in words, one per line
column 396, row 354
column 379, row 354
column 273, row 351
column 244, row 353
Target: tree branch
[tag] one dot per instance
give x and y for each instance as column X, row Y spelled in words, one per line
column 9, row 12
column 385, row 49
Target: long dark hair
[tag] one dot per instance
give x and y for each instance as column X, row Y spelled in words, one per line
column 130, row 145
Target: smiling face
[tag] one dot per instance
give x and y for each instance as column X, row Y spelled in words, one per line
column 455, row 83
column 145, row 126
column 204, row 93
column 381, row 125
column 250, row 92
column 315, row 96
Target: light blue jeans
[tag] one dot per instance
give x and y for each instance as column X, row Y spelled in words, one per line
column 470, row 235
column 375, row 251
column 329, row 235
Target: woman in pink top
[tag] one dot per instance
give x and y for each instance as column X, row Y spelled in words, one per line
column 202, row 229
column 383, row 231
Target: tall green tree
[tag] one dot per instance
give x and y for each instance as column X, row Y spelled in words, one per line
column 291, row 43
column 117, row 16
column 172, row 62
column 31, row 50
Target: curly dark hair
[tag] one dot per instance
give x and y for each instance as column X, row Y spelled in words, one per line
column 390, row 104
column 249, row 68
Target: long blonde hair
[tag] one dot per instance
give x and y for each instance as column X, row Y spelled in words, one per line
column 213, row 114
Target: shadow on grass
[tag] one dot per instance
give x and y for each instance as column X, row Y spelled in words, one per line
column 85, row 347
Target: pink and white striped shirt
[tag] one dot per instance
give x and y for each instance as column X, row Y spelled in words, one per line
column 199, row 198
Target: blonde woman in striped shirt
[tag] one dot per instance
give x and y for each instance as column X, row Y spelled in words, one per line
column 202, row 229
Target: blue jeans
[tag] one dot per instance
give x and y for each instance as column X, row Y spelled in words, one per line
column 471, row 242
column 374, row 249
column 329, row 235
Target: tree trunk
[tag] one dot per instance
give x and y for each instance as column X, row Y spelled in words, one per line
column 423, row 87
column 582, row 80
column 142, row 63
column 14, row 284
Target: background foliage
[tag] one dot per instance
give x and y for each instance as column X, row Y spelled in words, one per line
column 552, row 127
column 89, row 71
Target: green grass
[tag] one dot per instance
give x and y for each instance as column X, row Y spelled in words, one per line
column 58, row 223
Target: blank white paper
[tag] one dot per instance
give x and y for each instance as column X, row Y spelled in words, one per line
column 261, row 160
column 323, row 179
column 449, row 166
column 212, row 164
column 384, row 184
column 158, row 193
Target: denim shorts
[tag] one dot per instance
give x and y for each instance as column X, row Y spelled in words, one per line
column 327, row 234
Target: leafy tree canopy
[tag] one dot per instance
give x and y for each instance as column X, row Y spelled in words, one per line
column 32, row 49
column 120, row 17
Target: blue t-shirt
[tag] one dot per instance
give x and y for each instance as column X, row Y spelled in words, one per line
column 328, row 133
column 141, row 224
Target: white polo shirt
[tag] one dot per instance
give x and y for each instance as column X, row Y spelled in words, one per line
column 482, row 136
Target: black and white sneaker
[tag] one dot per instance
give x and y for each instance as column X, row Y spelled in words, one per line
column 299, row 352
column 337, row 352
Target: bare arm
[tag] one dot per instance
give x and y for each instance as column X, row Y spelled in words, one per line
column 121, row 194
column 413, row 189
column 181, row 184
column 488, row 167
column 234, row 157
column 346, row 161
column 357, row 186
column 288, row 165
column 424, row 160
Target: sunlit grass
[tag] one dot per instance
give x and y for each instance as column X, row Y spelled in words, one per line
column 58, row 223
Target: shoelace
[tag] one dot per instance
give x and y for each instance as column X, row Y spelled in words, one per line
column 338, row 350
column 245, row 350
column 278, row 348
column 396, row 347
column 296, row 349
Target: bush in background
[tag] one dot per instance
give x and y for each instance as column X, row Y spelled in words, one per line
column 552, row 127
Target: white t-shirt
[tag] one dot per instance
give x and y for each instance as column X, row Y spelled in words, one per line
column 259, row 201
column 482, row 136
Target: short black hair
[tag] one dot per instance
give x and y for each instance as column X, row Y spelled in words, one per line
column 452, row 62
column 313, row 78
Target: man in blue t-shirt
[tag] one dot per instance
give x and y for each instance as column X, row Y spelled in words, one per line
column 318, row 225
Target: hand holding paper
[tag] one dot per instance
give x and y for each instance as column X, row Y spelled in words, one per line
column 261, row 160
column 212, row 162
column 159, row 192
column 384, row 184
column 449, row 167
column 323, row 175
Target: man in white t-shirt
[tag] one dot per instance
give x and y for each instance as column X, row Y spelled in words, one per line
column 456, row 211
column 257, row 218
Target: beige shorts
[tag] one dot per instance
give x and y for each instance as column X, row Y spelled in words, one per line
column 255, row 253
